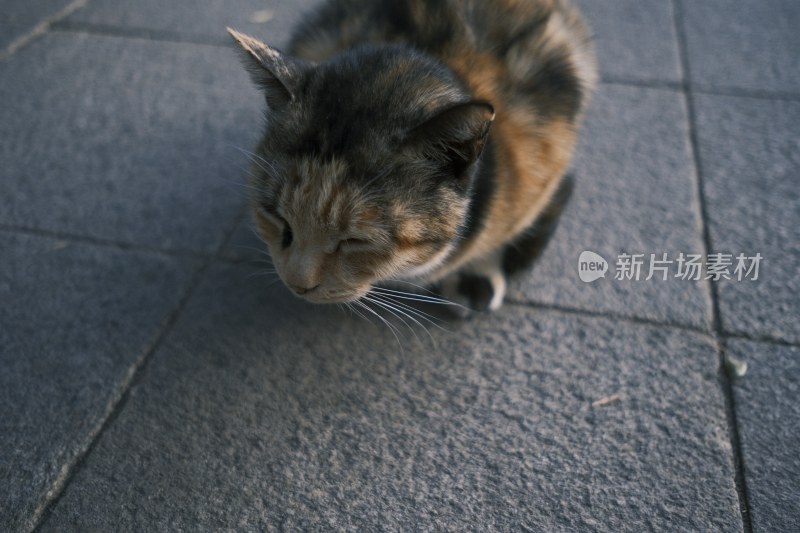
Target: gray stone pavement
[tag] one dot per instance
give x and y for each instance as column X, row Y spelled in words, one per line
column 153, row 378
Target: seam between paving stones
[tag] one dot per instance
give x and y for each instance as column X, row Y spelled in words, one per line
column 108, row 243
column 726, row 383
column 41, row 28
column 126, row 246
column 642, row 321
column 632, row 319
column 645, row 84
column 147, row 34
column 702, row 89
column 115, row 404
column 118, row 402
column 746, row 93
column 762, row 339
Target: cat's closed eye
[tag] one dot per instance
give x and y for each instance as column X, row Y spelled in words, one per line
column 280, row 223
column 287, row 237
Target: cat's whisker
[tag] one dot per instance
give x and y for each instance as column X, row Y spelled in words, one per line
column 420, row 287
column 261, row 274
column 259, row 165
column 424, row 318
column 254, row 249
column 393, row 310
column 247, row 154
column 269, row 276
column 265, row 259
column 433, row 320
column 247, row 170
column 273, row 282
column 262, row 262
column 350, row 307
column 254, row 181
column 417, row 297
column 399, row 314
column 258, row 160
column 388, row 324
column 250, row 186
column 258, row 236
column 362, row 315
column 238, row 186
column 396, row 295
column 405, row 310
column 422, row 315
column 266, row 264
column 251, row 248
column 414, row 296
column 251, row 155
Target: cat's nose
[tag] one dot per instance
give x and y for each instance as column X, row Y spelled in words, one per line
column 303, row 290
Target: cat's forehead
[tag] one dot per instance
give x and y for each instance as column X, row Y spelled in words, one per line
column 326, row 193
column 390, row 86
column 360, row 107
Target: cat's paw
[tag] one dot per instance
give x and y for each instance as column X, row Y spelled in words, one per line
column 475, row 291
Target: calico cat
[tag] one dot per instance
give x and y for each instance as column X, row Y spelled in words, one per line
column 415, row 140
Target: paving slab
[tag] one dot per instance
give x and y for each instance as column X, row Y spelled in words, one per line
column 769, row 427
column 749, row 156
column 125, row 140
column 270, row 20
column 635, row 193
column 18, row 17
column 261, row 412
column 635, row 39
column 74, row 320
column 743, row 44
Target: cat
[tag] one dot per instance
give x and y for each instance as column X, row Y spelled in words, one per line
column 416, row 140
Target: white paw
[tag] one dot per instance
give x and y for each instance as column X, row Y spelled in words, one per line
column 498, row 281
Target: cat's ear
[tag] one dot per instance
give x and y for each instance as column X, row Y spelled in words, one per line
column 455, row 136
column 278, row 74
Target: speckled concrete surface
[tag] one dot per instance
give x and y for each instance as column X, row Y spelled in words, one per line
column 152, row 378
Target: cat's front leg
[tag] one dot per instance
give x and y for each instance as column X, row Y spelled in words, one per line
column 478, row 286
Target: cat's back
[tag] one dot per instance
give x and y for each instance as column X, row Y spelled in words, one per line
column 537, row 51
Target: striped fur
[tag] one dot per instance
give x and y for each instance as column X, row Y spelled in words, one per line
column 414, row 139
